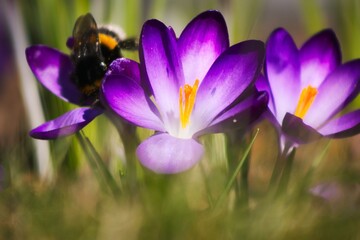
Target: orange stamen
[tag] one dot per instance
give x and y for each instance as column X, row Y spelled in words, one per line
column 306, row 99
column 187, row 98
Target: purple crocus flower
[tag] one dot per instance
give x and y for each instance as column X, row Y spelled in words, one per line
column 308, row 87
column 189, row 86
column 54, row 71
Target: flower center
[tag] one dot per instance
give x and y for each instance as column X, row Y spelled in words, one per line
column 307, row 97
column 187, row 96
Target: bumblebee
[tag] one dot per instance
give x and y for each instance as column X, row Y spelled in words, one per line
column 93, row 50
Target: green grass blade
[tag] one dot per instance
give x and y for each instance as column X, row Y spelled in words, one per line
column 236, row 172
column 105, row 179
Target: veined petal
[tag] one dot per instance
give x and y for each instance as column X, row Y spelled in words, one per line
column 282, row 68
column 163, row 153
column 123, row 94
column 241, row 116
column 341, row 86
column 201, row 42
column 145, row 83
column 319, row 56
column 232, row 73
column 297, row 131
column 345, row 126
column 159, row 56
column 67, row 124
column 53, row 70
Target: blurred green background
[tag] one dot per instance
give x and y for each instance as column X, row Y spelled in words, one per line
column 60, row 197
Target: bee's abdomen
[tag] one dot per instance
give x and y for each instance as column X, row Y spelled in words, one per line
column 89, row 71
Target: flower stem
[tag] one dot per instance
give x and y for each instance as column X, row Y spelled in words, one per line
column 244, row 184
column 285, row 176
column 127, row 133
column 105, row 179
column 207, row 187
column 236, row 146
column 279, row 165
column 236, row 172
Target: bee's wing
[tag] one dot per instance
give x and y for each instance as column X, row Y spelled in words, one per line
column 85, row 34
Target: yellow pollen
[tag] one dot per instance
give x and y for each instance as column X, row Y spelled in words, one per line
column 187, row 98
column 307, row 97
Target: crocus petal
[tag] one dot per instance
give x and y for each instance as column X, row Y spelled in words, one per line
column 125, row 96
column 201, row 42
column 232, row 73
column 262, row 84
column 319, row 56
column 125, row 67
column 158, row 53
column 297, row 131
column 53, row 70
column 282, row 69
column 163, row 153
column 67, row 124
column 334, row 93
column 344, row 126
column 241, row 116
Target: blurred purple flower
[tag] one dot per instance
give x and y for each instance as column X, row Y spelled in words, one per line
column 340, row 196
column 194, row 81
column 54, row 71
column 308, row 86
